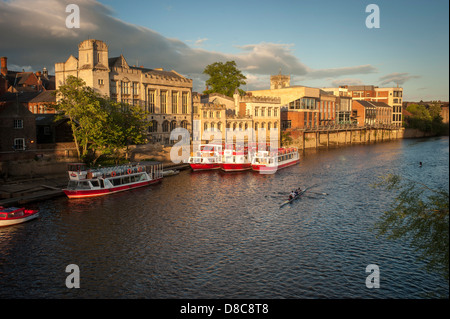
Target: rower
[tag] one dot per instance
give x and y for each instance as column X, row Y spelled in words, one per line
column 292, row 195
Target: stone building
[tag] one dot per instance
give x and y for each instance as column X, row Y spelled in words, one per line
column 239, row 118
column 166, row 96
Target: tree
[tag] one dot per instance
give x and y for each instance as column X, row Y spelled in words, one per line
column 421, row 215
column 224, row 78
column 78, row 103
column 101, row 127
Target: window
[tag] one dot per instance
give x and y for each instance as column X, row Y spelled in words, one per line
column 184, row 103
column 135, row 88
column 263, row 111
column 275, row 112
column 256, row 112
column 19, row 144
column 165, row 126
column 153, row 128
column 125, row 87
column 269, row 112
column 18, row 123
column 163, row 102
column 174, row 102
column 113, row 87
column 151, row 98
column 173, row 125
column 100, row 82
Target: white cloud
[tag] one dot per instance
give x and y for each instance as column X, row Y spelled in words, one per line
column 397, row 78
column 37, row 36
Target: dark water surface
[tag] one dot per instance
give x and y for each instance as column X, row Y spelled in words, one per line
column 217, row 235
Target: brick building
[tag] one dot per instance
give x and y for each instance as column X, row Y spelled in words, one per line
column 21, row 81
column 17, row 127
column 372, row 114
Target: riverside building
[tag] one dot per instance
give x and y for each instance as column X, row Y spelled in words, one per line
column 166, row 96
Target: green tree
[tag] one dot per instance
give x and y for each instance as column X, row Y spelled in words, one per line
column 421, row 215
column 101, row 127
column 224, row 78
column 78, row 102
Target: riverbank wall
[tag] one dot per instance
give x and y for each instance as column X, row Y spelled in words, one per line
column 304, row 139
column 51, row 160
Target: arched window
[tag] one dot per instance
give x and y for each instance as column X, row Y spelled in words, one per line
column 173, row 125
column 165, row 126
column 205, row 126
column 153, row 128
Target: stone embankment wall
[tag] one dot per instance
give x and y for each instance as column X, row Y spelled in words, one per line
column 320, row 139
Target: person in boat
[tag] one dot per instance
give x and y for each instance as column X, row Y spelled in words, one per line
column 292, row 195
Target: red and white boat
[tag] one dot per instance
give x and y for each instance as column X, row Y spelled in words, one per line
column 208, row 156
column 267, row 162
column 236, row 160
column 15, row 215
column 85, row 182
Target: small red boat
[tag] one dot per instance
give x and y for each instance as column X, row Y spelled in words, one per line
column 208, row 156
column 15, row 215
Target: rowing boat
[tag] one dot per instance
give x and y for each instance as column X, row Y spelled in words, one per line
column 296, row 197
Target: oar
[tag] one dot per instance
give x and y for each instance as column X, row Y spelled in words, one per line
column 319, row 193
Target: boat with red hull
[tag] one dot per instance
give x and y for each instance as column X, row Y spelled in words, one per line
column 236, row 161
column 85, row 183
column 15, row 215
column 208, row 157
column 267, row 162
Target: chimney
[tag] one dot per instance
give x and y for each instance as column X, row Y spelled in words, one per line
column 4, row 65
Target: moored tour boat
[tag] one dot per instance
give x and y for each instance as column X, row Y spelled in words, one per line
column 270, row 162
column 85, row 182
column 208, row 156
column 15, row 215
column 235, row 161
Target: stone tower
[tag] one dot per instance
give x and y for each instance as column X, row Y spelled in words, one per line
column 279, row 81
column 93, row 65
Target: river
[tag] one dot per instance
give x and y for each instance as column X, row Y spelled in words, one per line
column 224, row 235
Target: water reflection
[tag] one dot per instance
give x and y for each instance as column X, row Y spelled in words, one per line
column 223, row 235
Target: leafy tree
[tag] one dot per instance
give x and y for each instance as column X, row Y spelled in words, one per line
column 224, row 78
column 426, row 119
column 421, row 215
column 101, row 127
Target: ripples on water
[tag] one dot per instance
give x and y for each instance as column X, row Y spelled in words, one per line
column 217, row 235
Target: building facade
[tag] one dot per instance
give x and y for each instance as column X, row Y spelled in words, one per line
column 392, row 96
column 166, row 96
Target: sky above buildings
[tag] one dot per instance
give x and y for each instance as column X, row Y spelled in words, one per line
column 319, row 43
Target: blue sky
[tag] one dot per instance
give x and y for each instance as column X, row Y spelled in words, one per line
column 320, row 43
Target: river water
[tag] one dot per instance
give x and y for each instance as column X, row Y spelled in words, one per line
column 224, row 235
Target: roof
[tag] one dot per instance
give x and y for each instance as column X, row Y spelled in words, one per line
column 13, row 109
column 372, row 103
column 45, row 96
column 22, row 97
column 121, row 62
